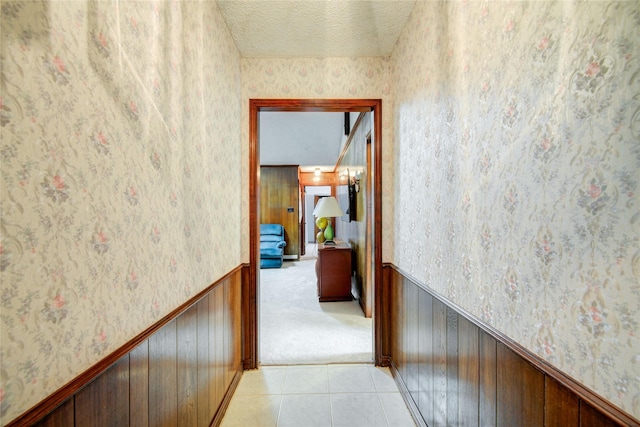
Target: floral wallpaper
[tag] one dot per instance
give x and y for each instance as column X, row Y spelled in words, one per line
column 516, row 168
column 318, row 78
column 120, row 185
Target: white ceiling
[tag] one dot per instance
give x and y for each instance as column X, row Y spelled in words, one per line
column 315, row 28
column 307, row 139
column 311, row 29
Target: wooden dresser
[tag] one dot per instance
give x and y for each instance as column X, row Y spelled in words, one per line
column 333, row 270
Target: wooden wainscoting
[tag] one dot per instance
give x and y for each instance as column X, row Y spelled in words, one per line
column 180, row 372
column 455, row 371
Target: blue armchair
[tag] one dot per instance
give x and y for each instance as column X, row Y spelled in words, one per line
column 271, row 245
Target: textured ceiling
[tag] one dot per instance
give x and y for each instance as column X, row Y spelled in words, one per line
column 311, row 29
column 315, row 28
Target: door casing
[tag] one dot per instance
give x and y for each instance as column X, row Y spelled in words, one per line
column 251, row 290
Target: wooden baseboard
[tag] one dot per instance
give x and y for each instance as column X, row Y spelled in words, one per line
column 222, row 409
column 413, row 409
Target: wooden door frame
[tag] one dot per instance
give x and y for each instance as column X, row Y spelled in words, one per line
column 250, row 292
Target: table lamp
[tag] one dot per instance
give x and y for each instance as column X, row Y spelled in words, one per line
column 328, row 207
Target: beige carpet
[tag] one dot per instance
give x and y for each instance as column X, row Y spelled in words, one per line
column 296, row 329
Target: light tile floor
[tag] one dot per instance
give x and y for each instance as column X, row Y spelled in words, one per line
column 317, row 395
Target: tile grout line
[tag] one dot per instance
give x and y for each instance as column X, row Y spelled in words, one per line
column 375, row 387
column 330, row 398
column 284, row 380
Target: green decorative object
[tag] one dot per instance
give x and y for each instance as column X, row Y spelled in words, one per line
column 320, row 237
column 327, row 207
column 328, row 232
column 321, row 223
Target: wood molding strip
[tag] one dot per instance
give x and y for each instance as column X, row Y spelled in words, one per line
column 582, row 392
column 406, row 395
column 222, row 409
column 65, row 392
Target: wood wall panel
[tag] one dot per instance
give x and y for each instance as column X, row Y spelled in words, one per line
column 139, row 385
column 590, row 417
column 561, row 406
column 163, row 373
column 204, row 411
column 520, row 390
column 63, row 416
column 411, row 338
column 216, row 299
column 425, row 356
column 396, row 322
column 280, row 191
column 488, row 390
column 187, row 368
column 169, row 377
column 468, row 372
column 452, row 368
column 455, row 371
column 105, row 401
column 439, row 324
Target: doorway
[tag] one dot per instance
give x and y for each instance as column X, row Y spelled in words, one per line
column 251, row 288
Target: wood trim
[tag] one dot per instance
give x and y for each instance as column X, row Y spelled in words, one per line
column 249, row 290
column 65, row 392
column 307, row 179
column 222, row 409
column 413, row 408
column 250, row 308
column 249, row 318
column 585, row 395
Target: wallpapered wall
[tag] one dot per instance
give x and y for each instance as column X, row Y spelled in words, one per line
column 120, row 182
column 315, row 78
column 517, row 164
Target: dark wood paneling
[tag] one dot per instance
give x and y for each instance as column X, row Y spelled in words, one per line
column 105, row 401
column 469, row 375
column 310, row 178
column 411, row 306
column 228, row 336
column 561, row 405
column 68, row 391
column 452, row 368
column 280, row 192
column 425, row 355
column 187, row 370
column 216, row 346
column 397, row 322
column 163, row 375
column 439, row 364
column 204, row 362
column 63, row 416
column 139, row 385
column 589, row 417
column 165, row 379
column 520, row 390
column 487, row 402
column 236, row 316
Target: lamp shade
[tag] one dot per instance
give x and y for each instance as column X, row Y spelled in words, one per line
column 327, row 207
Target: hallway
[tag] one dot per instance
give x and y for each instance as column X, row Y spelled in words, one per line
column 318, row 395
